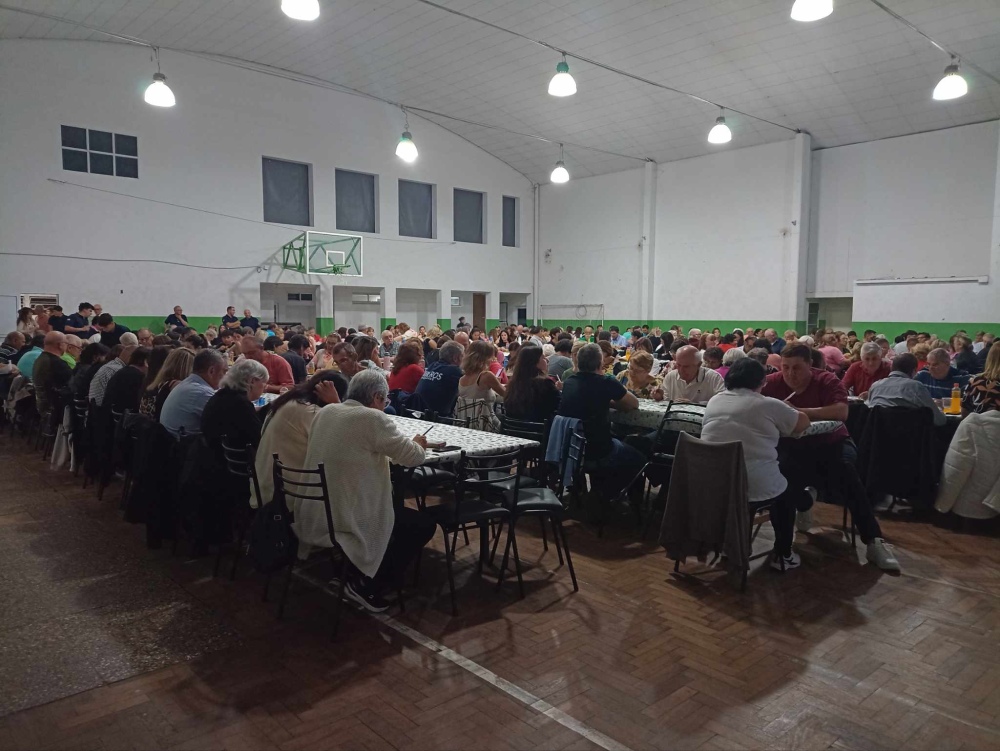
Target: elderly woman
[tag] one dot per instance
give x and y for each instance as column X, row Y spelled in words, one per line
column 869, row 369
column 730, row 358
column 355, row 442
column 639, row 380
column 230, row 411
column 983, row 392
column 288, row 424
column 712, row 358
column 323, row 359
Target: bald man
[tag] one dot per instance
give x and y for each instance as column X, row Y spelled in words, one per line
column 278, row 370
column 462, row 338
column 74, row 346
column 50, row 374
column 690, row 381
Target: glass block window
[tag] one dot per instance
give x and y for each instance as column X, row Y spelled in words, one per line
column 99, row 152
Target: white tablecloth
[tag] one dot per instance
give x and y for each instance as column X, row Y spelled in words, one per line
column 473, row 442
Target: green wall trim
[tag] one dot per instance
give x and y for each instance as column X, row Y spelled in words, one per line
column 941, row 329
column 492, row 323
column 444, row 323
column 386, row 323
column 724, row 326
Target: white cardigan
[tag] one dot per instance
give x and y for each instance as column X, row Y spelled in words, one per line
column 970, row 481
column 354, row 444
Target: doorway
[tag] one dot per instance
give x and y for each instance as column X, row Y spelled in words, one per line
column 290, row 304
column 479, row 310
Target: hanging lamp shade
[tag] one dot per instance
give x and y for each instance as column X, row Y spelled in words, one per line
column 158, row 93
column 811, row 10
column 559, row 174
column 720, row 132
column 562, row 83
column 301, row 10
column 952, row 85
column 406, row 149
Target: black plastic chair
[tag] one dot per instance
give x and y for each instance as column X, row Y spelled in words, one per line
column 311, row 487
column 463, row 513
column 79, row 434
column 240, row 463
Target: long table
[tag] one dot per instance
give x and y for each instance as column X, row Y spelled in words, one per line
column 475, row 443
column 688, row 418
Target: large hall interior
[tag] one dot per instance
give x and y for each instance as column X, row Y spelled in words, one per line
column 499, row 374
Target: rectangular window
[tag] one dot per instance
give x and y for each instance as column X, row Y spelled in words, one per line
column 287, row 192
column 416, row 209
column 99, row 152
column 357, row 203
column 510, row 221
column 468, row 206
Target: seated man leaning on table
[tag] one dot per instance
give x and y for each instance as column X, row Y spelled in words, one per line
column 355, row 441
column 900, row 390
column 866, row 371
column 940, row 375
column 805, row 462
column 690, row 381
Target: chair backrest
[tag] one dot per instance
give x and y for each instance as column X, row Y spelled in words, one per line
column 510, row 462
column 532, row 431
column 306, row 485
column 672, row 424
column 898, row 453
column 80, row 407
column 574, row 456
column 708, row 493
column 116, row 417
column 430, row 416
column 241, row 462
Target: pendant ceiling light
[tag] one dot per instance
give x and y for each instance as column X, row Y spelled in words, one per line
column 952, row 86
column 406, row 149
column 158, row 93
column 720, row 132
column 560, row 174
column 562, row 83
column 301, row 10
column 811, row 10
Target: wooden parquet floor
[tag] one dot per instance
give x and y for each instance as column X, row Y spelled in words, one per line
column 107, row 645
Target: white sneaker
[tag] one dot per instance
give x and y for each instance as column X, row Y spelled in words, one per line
column 792, row 561
column 880, row 553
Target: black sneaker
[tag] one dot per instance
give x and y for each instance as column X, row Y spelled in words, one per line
column 367, row 597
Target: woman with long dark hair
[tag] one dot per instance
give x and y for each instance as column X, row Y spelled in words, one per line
column 531, row 394
column 407, row 367
column 288, row 421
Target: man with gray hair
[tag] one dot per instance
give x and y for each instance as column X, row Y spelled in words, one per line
column 866, row 371
column 940, row 376
column 438, row 386
column 99, row 384
column 355, row 442
column 183, row 407
column 899, row 389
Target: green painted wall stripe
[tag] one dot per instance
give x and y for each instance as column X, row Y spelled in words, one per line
column 386, row 323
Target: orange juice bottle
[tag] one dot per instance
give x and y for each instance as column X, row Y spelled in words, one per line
column 955, row 407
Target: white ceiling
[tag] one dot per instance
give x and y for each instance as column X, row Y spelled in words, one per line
column 856, row 76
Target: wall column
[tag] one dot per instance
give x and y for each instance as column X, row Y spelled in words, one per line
column 648, row 243
column 388, row 308
column 444, row 309
column 492, row 310
column 797, row 239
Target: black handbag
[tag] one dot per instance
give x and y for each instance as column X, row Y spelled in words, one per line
column 273, row 544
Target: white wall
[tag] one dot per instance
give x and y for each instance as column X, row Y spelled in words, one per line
column 921, row 205
column 590, row 231
column 918, row 206
column 353, row 315
column 417, row 307
column 717, row 219
column 206, row 153
column 722, row 220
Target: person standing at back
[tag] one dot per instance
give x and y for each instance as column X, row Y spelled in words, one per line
column 229, row 320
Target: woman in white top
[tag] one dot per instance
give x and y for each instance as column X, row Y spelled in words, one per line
column 355, row 442
column 478, row 384
column 742, row 413
column 287, row 425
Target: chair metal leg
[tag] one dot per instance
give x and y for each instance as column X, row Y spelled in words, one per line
column 551, row 518
column 244, row 524
column 340, row 596
column 496, row 540
column 517, row 559
column 449, row 553
column 416, row 567
column 503, row 561
column 545, row 537
column 484, row 547
column 569, row 561
column 284, row 591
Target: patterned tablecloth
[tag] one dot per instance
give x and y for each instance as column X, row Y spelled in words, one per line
column 473, row 442
column 650, row 413
column 688, row 418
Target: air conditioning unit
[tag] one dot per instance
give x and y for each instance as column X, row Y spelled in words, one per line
column 39, row 298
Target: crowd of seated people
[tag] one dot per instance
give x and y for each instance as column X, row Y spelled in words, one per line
column 759, row 387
